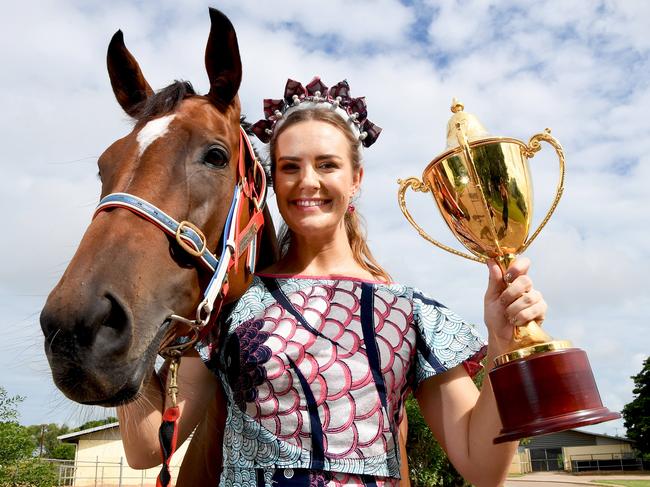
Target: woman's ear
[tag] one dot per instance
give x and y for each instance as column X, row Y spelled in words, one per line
column 357, row 177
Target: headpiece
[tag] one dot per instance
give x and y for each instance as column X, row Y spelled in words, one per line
column 316, row 94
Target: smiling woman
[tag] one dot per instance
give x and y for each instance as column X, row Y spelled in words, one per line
column 317, row 357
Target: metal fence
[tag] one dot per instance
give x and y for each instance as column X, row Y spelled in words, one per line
column 98, row 473
column 601, row 462
column 606, row 462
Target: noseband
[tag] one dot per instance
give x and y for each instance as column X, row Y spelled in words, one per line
column 251, row 186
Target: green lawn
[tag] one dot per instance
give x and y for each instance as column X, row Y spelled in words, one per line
column 626, row 483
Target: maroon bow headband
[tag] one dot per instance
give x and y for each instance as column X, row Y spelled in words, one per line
column 352, row 110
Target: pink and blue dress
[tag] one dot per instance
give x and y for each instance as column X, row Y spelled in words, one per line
column 316, row 370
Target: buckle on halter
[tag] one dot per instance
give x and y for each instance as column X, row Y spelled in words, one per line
column 184, row 245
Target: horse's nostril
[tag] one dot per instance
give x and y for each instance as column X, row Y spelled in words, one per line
column 117, row 317
column 113, row 331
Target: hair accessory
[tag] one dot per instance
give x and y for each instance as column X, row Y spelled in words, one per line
column 337, row 98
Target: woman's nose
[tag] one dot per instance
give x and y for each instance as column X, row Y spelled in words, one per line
column 309, row 178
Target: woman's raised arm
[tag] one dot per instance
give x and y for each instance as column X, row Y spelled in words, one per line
column 464, row 421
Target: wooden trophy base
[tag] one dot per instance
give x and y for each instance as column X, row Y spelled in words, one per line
column 547, row 392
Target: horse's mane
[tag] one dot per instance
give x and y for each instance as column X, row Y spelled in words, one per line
column 164, row 101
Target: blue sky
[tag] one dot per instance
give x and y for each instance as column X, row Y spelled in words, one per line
column 579, row 67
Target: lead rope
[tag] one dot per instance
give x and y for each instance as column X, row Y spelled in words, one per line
column 168, row 432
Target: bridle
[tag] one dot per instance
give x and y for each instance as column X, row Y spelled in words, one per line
column 250, row 188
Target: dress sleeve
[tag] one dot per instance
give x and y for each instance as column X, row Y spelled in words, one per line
column 444, row 340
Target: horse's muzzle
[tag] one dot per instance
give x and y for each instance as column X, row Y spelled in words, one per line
column 90, row 350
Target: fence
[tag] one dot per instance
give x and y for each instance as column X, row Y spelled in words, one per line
column 98, row 473
column 606, row 462
column 580, row 463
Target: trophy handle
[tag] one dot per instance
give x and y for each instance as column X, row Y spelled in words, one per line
column 419, row 186
column 533, row 147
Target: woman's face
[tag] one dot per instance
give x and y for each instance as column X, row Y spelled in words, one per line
column 314, row 179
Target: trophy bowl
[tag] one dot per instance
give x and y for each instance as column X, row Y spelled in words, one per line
column 483, row 189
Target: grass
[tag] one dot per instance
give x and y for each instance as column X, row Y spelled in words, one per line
column 625, row 483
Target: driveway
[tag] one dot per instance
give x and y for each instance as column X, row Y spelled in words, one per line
column 561, row 479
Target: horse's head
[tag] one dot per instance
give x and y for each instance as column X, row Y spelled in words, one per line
column 104, row 321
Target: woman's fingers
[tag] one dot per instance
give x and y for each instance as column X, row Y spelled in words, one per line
column 519, row 286
column 527, row 307
column 518, row 267
column 495, row 281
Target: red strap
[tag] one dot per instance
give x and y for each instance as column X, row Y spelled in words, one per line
column 167, row 435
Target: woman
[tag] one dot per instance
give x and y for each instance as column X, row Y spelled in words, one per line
column 320, row 352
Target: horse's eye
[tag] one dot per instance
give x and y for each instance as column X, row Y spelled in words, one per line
column 216, row 157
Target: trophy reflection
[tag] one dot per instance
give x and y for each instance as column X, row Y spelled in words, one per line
column 483, row 189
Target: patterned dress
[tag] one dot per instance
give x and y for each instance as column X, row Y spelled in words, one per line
column 315, row 372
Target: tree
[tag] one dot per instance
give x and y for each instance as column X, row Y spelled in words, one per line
column 17, row 446
column 9, row 406
column 15, row 441
column 45, row 437
column 637, row 413
column 32, row 472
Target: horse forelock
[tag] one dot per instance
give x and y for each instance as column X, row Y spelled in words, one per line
column 164, row 101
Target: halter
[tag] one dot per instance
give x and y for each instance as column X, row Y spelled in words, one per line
column 251, row 186
column 191, row 239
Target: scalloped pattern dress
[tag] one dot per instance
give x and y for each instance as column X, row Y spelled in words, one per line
column 315, row 372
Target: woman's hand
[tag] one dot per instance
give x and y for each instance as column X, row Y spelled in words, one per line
column 508, row 306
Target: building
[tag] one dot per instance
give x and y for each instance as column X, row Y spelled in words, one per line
column 575, row 451
column 100, row 459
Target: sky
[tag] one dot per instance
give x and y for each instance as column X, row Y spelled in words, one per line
column 579, row 67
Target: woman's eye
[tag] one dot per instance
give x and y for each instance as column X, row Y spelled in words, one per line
column 328, row 165
column 289, row 167
column 216, row 157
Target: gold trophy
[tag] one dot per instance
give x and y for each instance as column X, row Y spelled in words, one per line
column 483, row 189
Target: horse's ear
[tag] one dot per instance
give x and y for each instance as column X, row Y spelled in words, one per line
column 222, row 60
column 127, row 80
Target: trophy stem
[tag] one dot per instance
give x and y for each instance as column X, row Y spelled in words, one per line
column 504, row 262
column 528, row 336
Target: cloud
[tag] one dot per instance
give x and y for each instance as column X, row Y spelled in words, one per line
column 577, row 67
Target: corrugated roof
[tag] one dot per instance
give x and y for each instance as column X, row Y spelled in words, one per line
column 603, row 435
column 87, row 431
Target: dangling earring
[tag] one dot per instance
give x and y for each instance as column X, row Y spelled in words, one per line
column 351, row 207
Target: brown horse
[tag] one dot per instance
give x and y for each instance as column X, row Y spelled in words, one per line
column 106, row 318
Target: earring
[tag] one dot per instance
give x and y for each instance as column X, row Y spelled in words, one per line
column 351, row 206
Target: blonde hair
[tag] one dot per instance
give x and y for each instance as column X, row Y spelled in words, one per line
column 354, row 225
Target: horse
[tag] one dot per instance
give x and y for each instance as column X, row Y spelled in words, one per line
column 109, row 315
